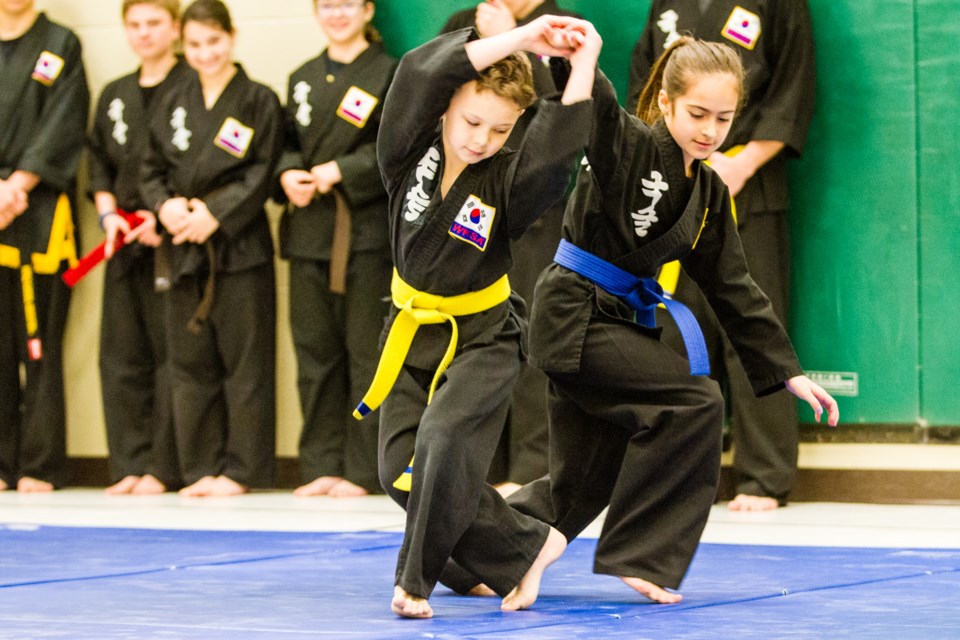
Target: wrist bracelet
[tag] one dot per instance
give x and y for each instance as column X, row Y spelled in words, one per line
column 103, row 216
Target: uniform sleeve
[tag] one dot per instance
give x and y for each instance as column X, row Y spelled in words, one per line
column 102, row 172
column 361, row 175
column 238, row 203
column 787, row 107
column 641, row 60
column 55, row 149
column 292, row 156
column 154, row 186
column 719, row 268
column 540, row 170
column 426, row 79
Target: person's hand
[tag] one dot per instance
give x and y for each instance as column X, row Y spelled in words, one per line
column 814, row 395
column 548, row 36
column 13, row 202
column 733, row 172
column 173, row 214
column 113, row 225
column 585, row 43
column 326, row 175
column 200, row 224
column 146, row 231
column 493, row 17
column 299, row 185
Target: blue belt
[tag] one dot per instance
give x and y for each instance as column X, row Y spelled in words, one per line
column 642, row 294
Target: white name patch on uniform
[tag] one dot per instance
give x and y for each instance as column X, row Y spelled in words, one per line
column 356, row 106
column 474, row 222
column 743, row 27
column 48, row 68
column 234, row 137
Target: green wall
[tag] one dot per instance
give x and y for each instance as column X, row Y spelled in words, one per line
column 876, row 197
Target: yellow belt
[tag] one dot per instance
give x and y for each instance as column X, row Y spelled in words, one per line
column 419, row 308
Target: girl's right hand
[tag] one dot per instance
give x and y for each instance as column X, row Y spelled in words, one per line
column 299, row 185
column 546, row 36
column 173, row 214
column 586, row 43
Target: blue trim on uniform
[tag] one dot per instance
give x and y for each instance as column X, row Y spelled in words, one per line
column 642, row 294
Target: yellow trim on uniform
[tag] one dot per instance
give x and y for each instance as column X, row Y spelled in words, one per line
column 29, row 300
column 670, row 272
column 419, row 308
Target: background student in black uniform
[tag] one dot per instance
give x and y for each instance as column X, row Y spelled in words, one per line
column 775, row 42
column 134, row 375
column 335, row 237
column 44, row 102
column 522, row 454
column 456, row 200
column 630, row 427
column 214, row 143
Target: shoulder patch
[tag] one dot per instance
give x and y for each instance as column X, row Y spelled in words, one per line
column 742, row 27
column 48, row 68
column 234, row 137
column 356, row 106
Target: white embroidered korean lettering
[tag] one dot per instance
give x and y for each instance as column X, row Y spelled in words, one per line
column 181, row 135
column 301, row 92
column 668, row 25
column 653, row 188
column 417, row 197
column 120, row 128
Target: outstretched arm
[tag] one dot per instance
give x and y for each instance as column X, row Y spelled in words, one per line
column 545, row 36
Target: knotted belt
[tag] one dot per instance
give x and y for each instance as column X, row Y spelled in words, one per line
column 419, row 308
column 642, row 294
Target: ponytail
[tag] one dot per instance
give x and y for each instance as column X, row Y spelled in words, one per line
column 683, row 61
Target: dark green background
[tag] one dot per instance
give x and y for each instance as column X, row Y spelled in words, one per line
column 876, row 197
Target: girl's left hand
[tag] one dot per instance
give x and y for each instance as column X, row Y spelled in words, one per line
column 814, row 395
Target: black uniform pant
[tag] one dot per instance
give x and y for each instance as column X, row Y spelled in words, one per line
column 135, row 376
column 451, row 511
column 224, row 379
column 524, row 445
column 765, row 430
column 32, row 408
column 335, row 337
column 635, row 431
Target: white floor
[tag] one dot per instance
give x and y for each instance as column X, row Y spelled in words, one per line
column 817, row 524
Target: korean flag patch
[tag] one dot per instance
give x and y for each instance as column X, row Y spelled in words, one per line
column 234, row 137
column 48, row 68
column 356, row 107
column 743, row 27
column 473, row 223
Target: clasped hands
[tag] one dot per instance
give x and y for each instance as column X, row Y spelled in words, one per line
column 188, row 220
column 302, row 186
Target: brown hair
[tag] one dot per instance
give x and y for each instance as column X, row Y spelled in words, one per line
column 212, row 12
column 682, row 62
column 170, row 6
column 510, row 78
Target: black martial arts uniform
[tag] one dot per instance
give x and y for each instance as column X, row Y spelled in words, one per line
column 525, row 438
column 775, row 42
column 224, row 388
column 630, row 427
column 333, row 113
column 450, row 246
column 44, row 102
column 134, row 375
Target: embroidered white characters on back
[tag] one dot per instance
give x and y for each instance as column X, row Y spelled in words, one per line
column 743, row 27
column 356, row 107
column 181, row 135
column 234, row 137
column 418, row 197
column 301, row 93
column 120, row 128
column 48, row 68
column 668, row 25
column 652, row 188
column 473, row 223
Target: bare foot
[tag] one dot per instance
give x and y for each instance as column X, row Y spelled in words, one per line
column 228, row 487
column 346, row 489
column 525, row 593
column 507, row 488
column 409, row 606
column 652, row 591
column 3, row 486
column 201, row 488
column 32, row 485
column 149, row 485
column 746, row 502
column 319, row 487
column 481, row 590
column 125, row 485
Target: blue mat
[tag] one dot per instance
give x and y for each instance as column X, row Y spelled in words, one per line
column 58, row 582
